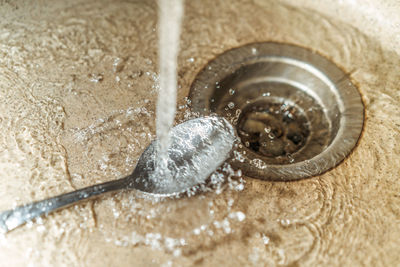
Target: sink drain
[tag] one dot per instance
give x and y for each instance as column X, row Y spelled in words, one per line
column 273, row 130
column 296, row 113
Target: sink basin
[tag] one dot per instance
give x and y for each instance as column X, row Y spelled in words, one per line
column 78, row 86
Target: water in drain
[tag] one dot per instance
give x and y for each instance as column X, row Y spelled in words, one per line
column 274, row 130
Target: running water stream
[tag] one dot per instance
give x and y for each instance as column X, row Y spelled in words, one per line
column 170, row 17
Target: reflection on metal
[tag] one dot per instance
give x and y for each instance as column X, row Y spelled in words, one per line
column 193, row 144
column 296, row 113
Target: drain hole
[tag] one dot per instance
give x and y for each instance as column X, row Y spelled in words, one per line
column 273, row 130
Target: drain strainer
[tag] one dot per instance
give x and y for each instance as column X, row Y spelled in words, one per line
column 296, row 113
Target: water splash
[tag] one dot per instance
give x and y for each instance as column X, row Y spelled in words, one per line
column 197, row 149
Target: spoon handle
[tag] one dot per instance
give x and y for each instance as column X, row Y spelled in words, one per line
column 11, row 219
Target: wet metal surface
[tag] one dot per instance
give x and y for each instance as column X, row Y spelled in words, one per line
column 297, row 114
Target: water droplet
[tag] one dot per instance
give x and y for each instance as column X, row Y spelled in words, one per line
column 231, row 105
column 265, row 239
column 258, row 163
column 290, row 157
column 285, row 222
column 240, row 216
column 136, row 74
column 118, row 65
column 239, row 187
column 238, row 112
column 231, row 91
column 266, row 94
column 95, row 77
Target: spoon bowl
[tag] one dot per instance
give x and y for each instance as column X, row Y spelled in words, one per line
column 198, row 147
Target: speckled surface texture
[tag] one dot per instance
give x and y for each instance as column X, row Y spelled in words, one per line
column 72, row 114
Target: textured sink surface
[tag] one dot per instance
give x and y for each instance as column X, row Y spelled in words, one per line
column 72, row 114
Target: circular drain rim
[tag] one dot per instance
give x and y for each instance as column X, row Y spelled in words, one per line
column 348, row 101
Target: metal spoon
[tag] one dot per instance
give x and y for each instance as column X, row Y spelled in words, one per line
column 198, row 147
